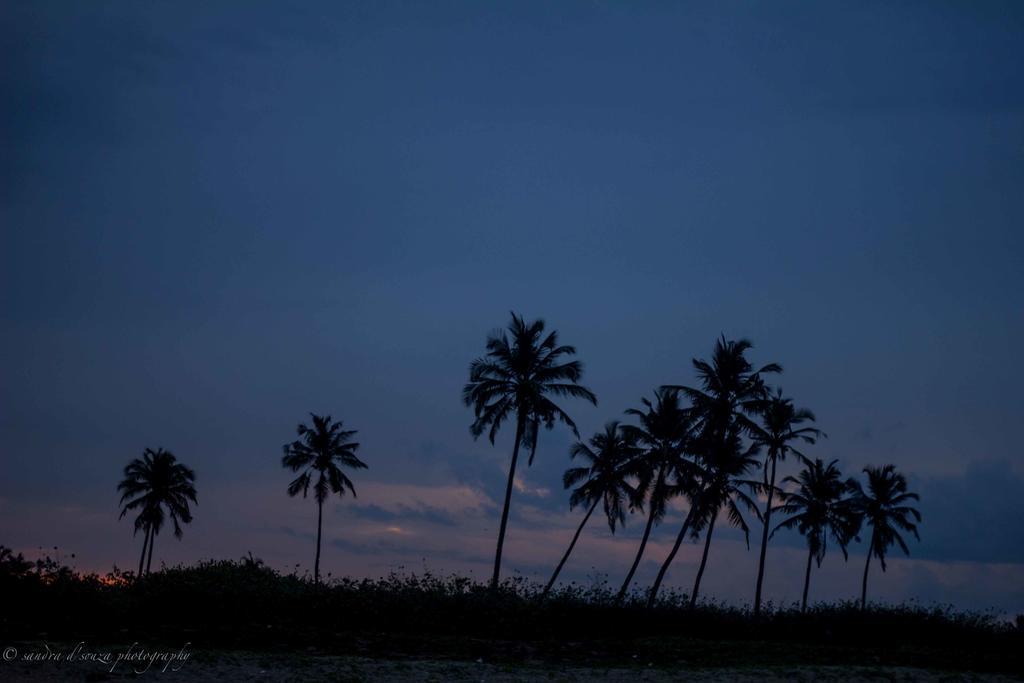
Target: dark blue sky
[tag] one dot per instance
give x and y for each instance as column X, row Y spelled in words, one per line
column 217, row 218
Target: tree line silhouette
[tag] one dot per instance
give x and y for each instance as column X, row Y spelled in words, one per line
column 715, row 445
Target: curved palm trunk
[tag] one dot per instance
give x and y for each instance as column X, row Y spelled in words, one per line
column 643, row 543
column 319, row 533
column 703, row 561
column 807, row 580
column 764, row 541
column 508, row 502
column 864, row 582
column 142, row 558
column 572, row 545
column 152, row 542
column 671, row 556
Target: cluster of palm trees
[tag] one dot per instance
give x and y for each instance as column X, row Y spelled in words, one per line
column 158, row 482
column 716, row 445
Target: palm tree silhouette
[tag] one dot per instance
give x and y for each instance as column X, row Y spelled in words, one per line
column 884, row 508
column 781, row 426
column 818, row 509
column 516, row 377
column 690, row 478
column 662, row 433
column 609, row 458
column 730, row 390
column 725, row 489
column 151, row 485
column 321, row 451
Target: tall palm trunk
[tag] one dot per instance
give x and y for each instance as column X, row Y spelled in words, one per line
column 152, row 542
column 319, row 533
column 142, row 558
column 764, row 539
column 572, row 545
column 508, row 501
column 807, row 580
column 864, row 583
column 671, row 556
column 703, row 561
column 643, row 540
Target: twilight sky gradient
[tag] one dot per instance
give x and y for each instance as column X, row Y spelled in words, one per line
column 218, row 218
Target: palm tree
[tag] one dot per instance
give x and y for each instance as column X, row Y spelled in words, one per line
column 320, row 452
column 884, row 508
column 689, row 482
column 662, row 433
column 151, row 485
column 609, row 458
column 781, row 426
column 725, row 488
column 730, row 389
column 818, row 509
column 516, row 378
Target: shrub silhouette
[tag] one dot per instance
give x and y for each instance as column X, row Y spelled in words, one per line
column 245, row 604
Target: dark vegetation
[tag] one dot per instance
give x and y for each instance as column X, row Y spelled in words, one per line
column 246, row 605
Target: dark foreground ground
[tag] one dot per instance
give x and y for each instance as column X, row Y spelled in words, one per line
column 240, row 620
column 425, row 658
column 312, row 666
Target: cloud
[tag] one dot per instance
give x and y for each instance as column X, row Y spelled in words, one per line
column 424, row 513
column 974, row 516
column 520, row 484
column 970, row 517
column 411, row 500
column 393, row 547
